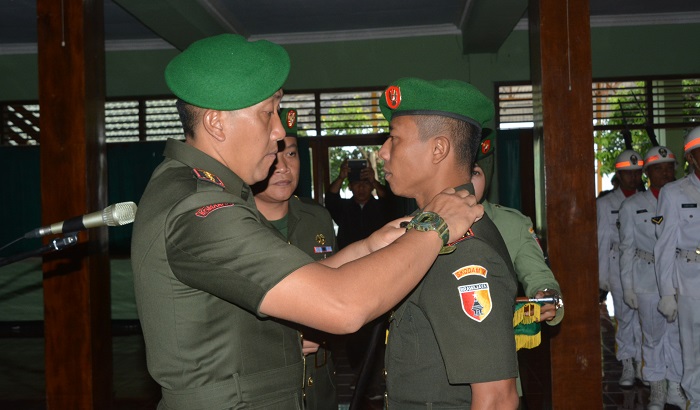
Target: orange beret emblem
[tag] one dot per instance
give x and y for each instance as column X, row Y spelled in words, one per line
column 393, row 97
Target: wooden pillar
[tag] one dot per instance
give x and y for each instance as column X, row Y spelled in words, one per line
column 560, row 55
column 73, row 182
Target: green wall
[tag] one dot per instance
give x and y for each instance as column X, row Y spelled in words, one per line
column 616, row 51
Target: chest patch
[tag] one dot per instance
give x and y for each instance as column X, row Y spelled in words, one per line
column 476, row 300
column 657, row 220
column 470, row 270
column 204, row 211
column 207, row 176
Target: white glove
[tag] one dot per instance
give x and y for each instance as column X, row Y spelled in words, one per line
column 668, row 307
column 630, row 299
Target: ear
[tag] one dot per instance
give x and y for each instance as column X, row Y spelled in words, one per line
column 212, row 123
column 441, row 147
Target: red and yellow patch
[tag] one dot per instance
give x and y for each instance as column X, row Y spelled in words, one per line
column 393, row 97
column 470, row 270
column 476, row 300
column 291, row 118
column 485, row 146
column 207, row 176
column 204, row 211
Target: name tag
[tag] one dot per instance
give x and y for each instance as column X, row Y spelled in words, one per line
column 641, row 211
column 689, row 205
column 615, row 211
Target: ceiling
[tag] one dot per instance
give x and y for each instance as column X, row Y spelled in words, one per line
column 482, row 24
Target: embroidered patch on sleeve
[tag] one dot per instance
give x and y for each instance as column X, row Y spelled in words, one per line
column 470, row 270
column 207, row 176
column 476, row 300
column 657, row 220
column 204, row 211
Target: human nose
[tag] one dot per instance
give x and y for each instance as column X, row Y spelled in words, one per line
column 281, row 166
column 278, row 133
column 384, row 151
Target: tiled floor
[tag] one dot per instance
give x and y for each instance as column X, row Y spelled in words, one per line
column 22, row 377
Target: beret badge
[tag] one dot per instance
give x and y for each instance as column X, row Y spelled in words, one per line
column 393, row 97
column 291, row 118
column 633, row 160
column 485, row 146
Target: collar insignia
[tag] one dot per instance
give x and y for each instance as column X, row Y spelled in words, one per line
column 207, row 176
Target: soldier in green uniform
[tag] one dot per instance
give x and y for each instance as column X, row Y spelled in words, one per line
column 215, row 285
column 451, row 341
column 308, row 226
column 524, row 249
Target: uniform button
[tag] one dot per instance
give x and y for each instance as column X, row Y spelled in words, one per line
column 310, row 382
column 385, row 373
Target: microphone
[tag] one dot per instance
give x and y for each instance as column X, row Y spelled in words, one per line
column 122, row 213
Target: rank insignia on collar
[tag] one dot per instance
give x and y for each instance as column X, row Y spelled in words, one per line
column 207, row 176
column 476, row 300
column 321, row 239
column 657, row 220
column 204, row 211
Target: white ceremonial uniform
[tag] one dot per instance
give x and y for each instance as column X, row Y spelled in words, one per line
column 660, row 342
column 677, row 254
column 628, row 329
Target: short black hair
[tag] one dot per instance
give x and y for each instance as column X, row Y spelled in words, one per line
column 466, row 137
column 188, row 117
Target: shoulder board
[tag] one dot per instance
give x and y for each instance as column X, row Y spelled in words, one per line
column 207, row 176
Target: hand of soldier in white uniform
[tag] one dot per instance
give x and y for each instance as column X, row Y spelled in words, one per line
column 630, row 299
column 668, row 307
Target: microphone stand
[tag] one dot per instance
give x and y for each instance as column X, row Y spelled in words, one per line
column 58, row 244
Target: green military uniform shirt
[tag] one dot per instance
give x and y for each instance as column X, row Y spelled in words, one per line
column 455, row 328
column 525, row 251
column 203, row 259
column 310, row 228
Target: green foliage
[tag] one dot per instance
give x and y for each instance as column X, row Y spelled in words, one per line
column 629, row 113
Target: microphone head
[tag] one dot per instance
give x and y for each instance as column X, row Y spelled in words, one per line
column 122, row 213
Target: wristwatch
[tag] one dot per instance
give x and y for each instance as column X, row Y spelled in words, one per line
column 430, row 221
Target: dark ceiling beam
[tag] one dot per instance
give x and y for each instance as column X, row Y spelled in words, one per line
column 486, row 24
column 182, row 22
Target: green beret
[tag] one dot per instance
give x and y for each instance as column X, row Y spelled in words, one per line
column 449, row 98
column 289, row 121
column 227, row 72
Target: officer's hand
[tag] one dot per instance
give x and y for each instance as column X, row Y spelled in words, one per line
column 668, row 307
column 548, row 310
column 630, row 299
column 459, row 209
column 386, row 234
column 308, row 347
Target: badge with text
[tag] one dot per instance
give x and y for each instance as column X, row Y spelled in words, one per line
column 470, row 270
column 476, row 300
column 204, row 211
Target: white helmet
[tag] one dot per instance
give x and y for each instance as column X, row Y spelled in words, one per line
column 692, row 140
column 657, row 155
column 628, row 160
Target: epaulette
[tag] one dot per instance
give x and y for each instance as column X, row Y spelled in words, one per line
column 450, row 247
column 208, row 177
